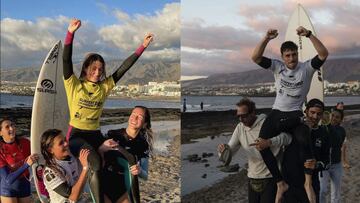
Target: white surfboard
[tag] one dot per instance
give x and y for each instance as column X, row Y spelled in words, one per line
column 306, row 49
column 49, row 106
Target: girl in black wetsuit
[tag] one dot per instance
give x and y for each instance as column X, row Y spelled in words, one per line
column 86, row 97
column 137, row 140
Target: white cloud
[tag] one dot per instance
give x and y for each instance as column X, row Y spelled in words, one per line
column 194, row 77
column 27, row 35
column 324, row 17
column 163, row 54
column 121, row 16
column 128, row 35
column 27, row 42
column 203, row 35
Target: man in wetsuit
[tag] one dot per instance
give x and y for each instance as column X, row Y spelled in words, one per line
column 292, row 83
column 293, row 166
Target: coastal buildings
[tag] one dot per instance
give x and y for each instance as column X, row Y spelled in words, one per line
column 163, row 89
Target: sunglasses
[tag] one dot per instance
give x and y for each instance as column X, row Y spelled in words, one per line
column 243, row 116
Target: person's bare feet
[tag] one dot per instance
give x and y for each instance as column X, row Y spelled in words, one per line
column 282, row 187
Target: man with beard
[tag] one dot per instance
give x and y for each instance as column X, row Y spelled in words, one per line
column 261, row 185
column 293, row 166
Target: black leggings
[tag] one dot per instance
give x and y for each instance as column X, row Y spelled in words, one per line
column 89, row 139
column 277, row 122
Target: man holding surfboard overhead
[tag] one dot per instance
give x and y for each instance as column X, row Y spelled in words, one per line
column 292, row 83
column 86, row 97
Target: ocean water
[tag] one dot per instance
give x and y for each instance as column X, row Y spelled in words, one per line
column 10, row 101
column 223, row 103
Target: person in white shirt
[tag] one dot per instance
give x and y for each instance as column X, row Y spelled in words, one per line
column 292, row 83
column 262, row 186
column 64, row 175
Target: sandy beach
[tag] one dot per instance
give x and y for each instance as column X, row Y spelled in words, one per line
column 163, row 184
column 233, row 186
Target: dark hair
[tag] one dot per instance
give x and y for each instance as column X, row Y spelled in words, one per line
column 89, row 59
column 5, row 119
column 339, row 103
column 247, row 102
column 147, row 131
column 288, row 45
column 339, row 111
column 1, row 122
column 315, row 103
column 47, row 141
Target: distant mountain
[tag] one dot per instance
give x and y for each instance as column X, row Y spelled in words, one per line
column 141, row 73
column 335, row 70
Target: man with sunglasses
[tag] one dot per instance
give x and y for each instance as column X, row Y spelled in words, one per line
column 261, row 184
column 292, row 83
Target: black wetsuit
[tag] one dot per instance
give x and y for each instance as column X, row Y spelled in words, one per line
column 114, row 173
column 293, row 166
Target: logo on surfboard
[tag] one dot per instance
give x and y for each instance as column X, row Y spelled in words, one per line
column 53, row 55
column 46, row 87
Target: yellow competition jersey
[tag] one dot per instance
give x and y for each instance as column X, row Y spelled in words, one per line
column 86, row 100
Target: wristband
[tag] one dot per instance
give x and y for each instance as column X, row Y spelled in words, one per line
column 308, row 34
column 85, row 168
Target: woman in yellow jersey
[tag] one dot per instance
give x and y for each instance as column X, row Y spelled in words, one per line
column 86, row 96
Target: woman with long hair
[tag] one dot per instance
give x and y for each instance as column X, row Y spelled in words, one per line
column 137, row 140
column 64, row 175
column 15, row 160
column 86, row 97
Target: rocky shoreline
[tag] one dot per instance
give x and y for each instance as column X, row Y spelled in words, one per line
column 22, row 117
column 233, row 188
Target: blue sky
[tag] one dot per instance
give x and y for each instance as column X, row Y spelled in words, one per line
column 91, row 10
column 113, row 28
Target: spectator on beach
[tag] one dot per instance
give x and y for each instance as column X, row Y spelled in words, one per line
column 184, row 105
column 15, row 160
column 338, row 160
column 340, row 106
column 325, row 120
column 261, row 185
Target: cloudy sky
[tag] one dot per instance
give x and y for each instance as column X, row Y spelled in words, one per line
column 219, row 36
column 112, row 28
